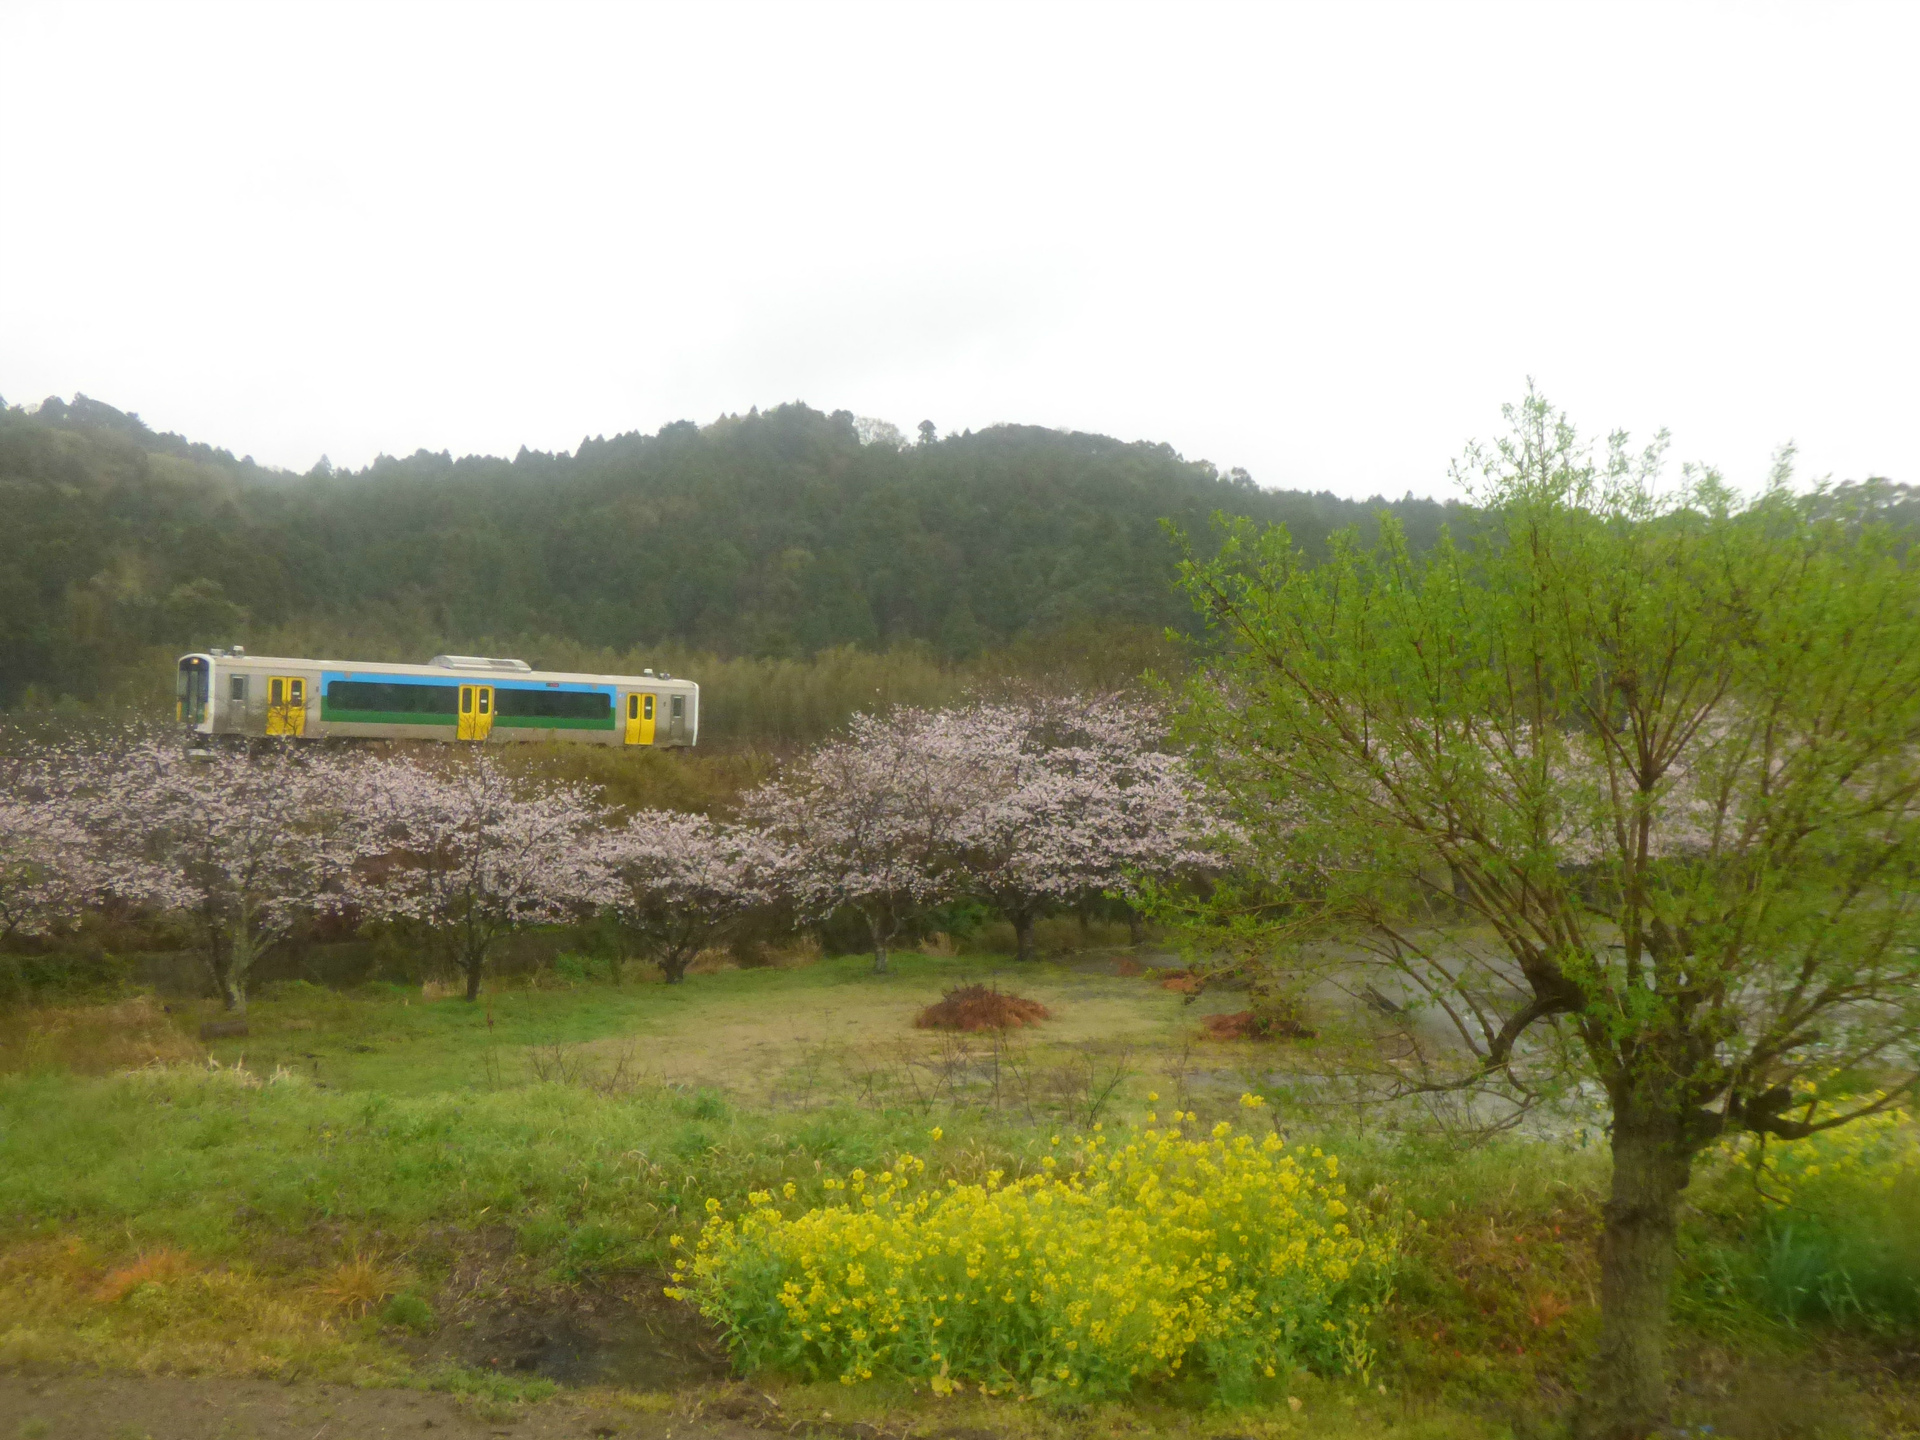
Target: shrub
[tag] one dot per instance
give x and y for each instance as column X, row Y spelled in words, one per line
column 1154, row 1258
column 409, row 1312
column 1823, row 1229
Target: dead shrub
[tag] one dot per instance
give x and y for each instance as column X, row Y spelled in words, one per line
column 981, row 1007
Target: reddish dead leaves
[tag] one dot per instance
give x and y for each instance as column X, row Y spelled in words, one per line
column 981, row 1007
column 1250, row 1025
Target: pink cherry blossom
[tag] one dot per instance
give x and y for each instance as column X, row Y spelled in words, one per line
column 245, row 844
column 868, row 821
column 468, row 852
column 680, row 882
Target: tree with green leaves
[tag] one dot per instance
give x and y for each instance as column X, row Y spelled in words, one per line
column 1642, row 758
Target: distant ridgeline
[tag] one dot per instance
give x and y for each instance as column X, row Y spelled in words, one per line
column 776, row 534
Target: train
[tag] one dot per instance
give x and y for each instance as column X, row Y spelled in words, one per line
column 471, row 699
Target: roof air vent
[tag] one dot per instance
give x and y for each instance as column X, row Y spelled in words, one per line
column 478, row 662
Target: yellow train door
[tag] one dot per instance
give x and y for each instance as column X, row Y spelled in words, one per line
column 476, row 711
column 286, row 705
column 640, row 719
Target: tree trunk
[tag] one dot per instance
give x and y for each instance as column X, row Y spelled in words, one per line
column 880, row 938
column 472, row 962
column 1022, row 934
column 1462, row 892
column 1627, row 1386
column 233, row 984
column 1136, row 926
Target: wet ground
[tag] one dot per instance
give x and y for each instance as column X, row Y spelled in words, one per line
column 180, row 1408
column 631, row 1337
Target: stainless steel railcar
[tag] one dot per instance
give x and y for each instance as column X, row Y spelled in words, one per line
column 470, row 698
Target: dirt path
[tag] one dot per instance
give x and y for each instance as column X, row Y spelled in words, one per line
column 169, row 1408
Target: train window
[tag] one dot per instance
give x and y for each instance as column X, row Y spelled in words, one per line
column 679, row 707
column 553, row 705
column 486, row 695
column 649, row 710
column 275, row 695
column 237, row 689
column 192, row 692
column 391, row 698
column 633, row 707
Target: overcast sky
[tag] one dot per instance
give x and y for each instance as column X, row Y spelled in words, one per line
column 1321, row 243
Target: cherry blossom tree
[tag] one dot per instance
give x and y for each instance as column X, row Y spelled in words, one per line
column 1073, row 799
column 470, row 853
column 679, row 883
column 869, row 821
column 48, row 867
column 246, row 843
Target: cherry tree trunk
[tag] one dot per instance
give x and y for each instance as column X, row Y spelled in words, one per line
column 882, row 932
column 1627, row 1385
column 472, row 963
column 1136, row 926
column 1023, row 934
column 233, row 983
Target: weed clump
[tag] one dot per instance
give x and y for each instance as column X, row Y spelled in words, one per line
column 1123, row 1262
column 981, row 1007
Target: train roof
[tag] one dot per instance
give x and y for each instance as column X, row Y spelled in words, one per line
column 466, row 670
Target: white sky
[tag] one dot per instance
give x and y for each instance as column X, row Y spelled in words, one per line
column 1322, row 243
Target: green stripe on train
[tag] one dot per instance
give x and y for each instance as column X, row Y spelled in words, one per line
column 331, row 716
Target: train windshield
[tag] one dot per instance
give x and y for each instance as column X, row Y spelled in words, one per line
column 190, row 690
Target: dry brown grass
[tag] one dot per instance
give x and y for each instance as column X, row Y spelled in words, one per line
column 359, row 1284
column 66, row 1306
column 94, row 1039
column 156, row 1267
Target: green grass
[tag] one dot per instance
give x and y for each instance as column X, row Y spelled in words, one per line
column 383, row 1124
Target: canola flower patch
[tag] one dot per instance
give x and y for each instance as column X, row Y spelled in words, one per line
column 1875, row 1153
column 1125, row 1260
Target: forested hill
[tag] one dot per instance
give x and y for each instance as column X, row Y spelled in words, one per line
column 764, row 535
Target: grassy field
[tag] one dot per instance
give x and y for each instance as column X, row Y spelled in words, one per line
column 391, row 1189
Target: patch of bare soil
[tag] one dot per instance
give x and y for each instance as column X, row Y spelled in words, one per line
column 627, row 1334
column 494, row 1312
column 165, row 1407
column 1181, row 982
column 981, row 1007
